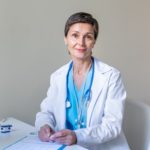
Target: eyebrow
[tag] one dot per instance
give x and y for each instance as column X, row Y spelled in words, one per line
column 85, row 33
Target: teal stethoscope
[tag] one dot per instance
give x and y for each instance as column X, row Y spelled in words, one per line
column 85, row 99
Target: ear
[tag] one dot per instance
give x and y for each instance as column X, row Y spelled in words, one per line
column 65, row 40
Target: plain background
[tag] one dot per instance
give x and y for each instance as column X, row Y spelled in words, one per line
column 32, row 47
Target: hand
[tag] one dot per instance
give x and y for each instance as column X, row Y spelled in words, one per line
column 67, row 137
column 45, row 133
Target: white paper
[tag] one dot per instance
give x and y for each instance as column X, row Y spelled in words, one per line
column 33, row 143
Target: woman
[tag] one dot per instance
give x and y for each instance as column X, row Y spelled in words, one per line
column 85, row 100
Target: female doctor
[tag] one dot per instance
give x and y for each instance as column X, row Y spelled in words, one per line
column 86, row 97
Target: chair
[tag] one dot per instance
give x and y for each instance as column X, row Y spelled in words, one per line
column 136, row 125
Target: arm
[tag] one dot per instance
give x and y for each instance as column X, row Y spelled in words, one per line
column 109, row 125
column 46, row 116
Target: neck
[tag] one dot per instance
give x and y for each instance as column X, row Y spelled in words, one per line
column 81, row 68
column 80, row 71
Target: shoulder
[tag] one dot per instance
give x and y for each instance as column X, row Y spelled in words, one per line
column 61, row 71
column 107, row 72
column 104, row 68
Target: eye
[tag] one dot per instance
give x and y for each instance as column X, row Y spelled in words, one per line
column 90, row 37
column 75, row 35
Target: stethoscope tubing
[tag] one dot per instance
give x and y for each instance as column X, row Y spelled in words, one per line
column 88, row 92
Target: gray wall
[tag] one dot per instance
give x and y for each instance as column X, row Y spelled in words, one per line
column 32, row 47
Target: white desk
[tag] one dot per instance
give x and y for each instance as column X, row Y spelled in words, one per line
column 21, row 129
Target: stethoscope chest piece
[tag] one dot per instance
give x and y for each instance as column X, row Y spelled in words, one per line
column 68, row 104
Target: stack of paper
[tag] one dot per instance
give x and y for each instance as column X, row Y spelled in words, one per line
column 32, row 142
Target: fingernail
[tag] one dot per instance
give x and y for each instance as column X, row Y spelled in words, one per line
column 52, row 137
column 48, row 135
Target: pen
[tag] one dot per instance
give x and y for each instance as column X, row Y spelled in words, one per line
column 62, row 147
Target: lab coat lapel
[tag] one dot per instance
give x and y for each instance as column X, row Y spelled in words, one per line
column 98, row 84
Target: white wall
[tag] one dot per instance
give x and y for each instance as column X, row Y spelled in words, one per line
column 31, row 47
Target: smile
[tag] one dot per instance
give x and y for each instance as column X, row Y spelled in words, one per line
column 81, row 49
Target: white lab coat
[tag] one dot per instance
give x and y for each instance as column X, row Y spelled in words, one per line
column 105, row 111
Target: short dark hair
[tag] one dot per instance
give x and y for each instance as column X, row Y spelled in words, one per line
column 82, row 17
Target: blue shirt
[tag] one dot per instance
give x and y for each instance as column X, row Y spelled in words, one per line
column 77, row 101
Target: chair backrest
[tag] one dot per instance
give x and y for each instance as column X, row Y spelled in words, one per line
column 136, row 125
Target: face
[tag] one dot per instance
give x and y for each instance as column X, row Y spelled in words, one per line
column 80, row 40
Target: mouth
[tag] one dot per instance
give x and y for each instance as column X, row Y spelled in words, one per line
column 81, row 49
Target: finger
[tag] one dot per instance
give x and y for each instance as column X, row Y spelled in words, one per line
column 61, row 140
column 48, row 130
column 69, row 138
column 61, row 133
column 57, row 135
column 44, row 133
column 43, row 137
column 64, row 140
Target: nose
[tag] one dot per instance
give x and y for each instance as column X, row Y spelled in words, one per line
column 81, row 41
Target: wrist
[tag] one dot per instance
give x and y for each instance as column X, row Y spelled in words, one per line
column 75, row 138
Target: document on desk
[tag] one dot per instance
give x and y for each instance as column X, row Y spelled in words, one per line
column 32, row 142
